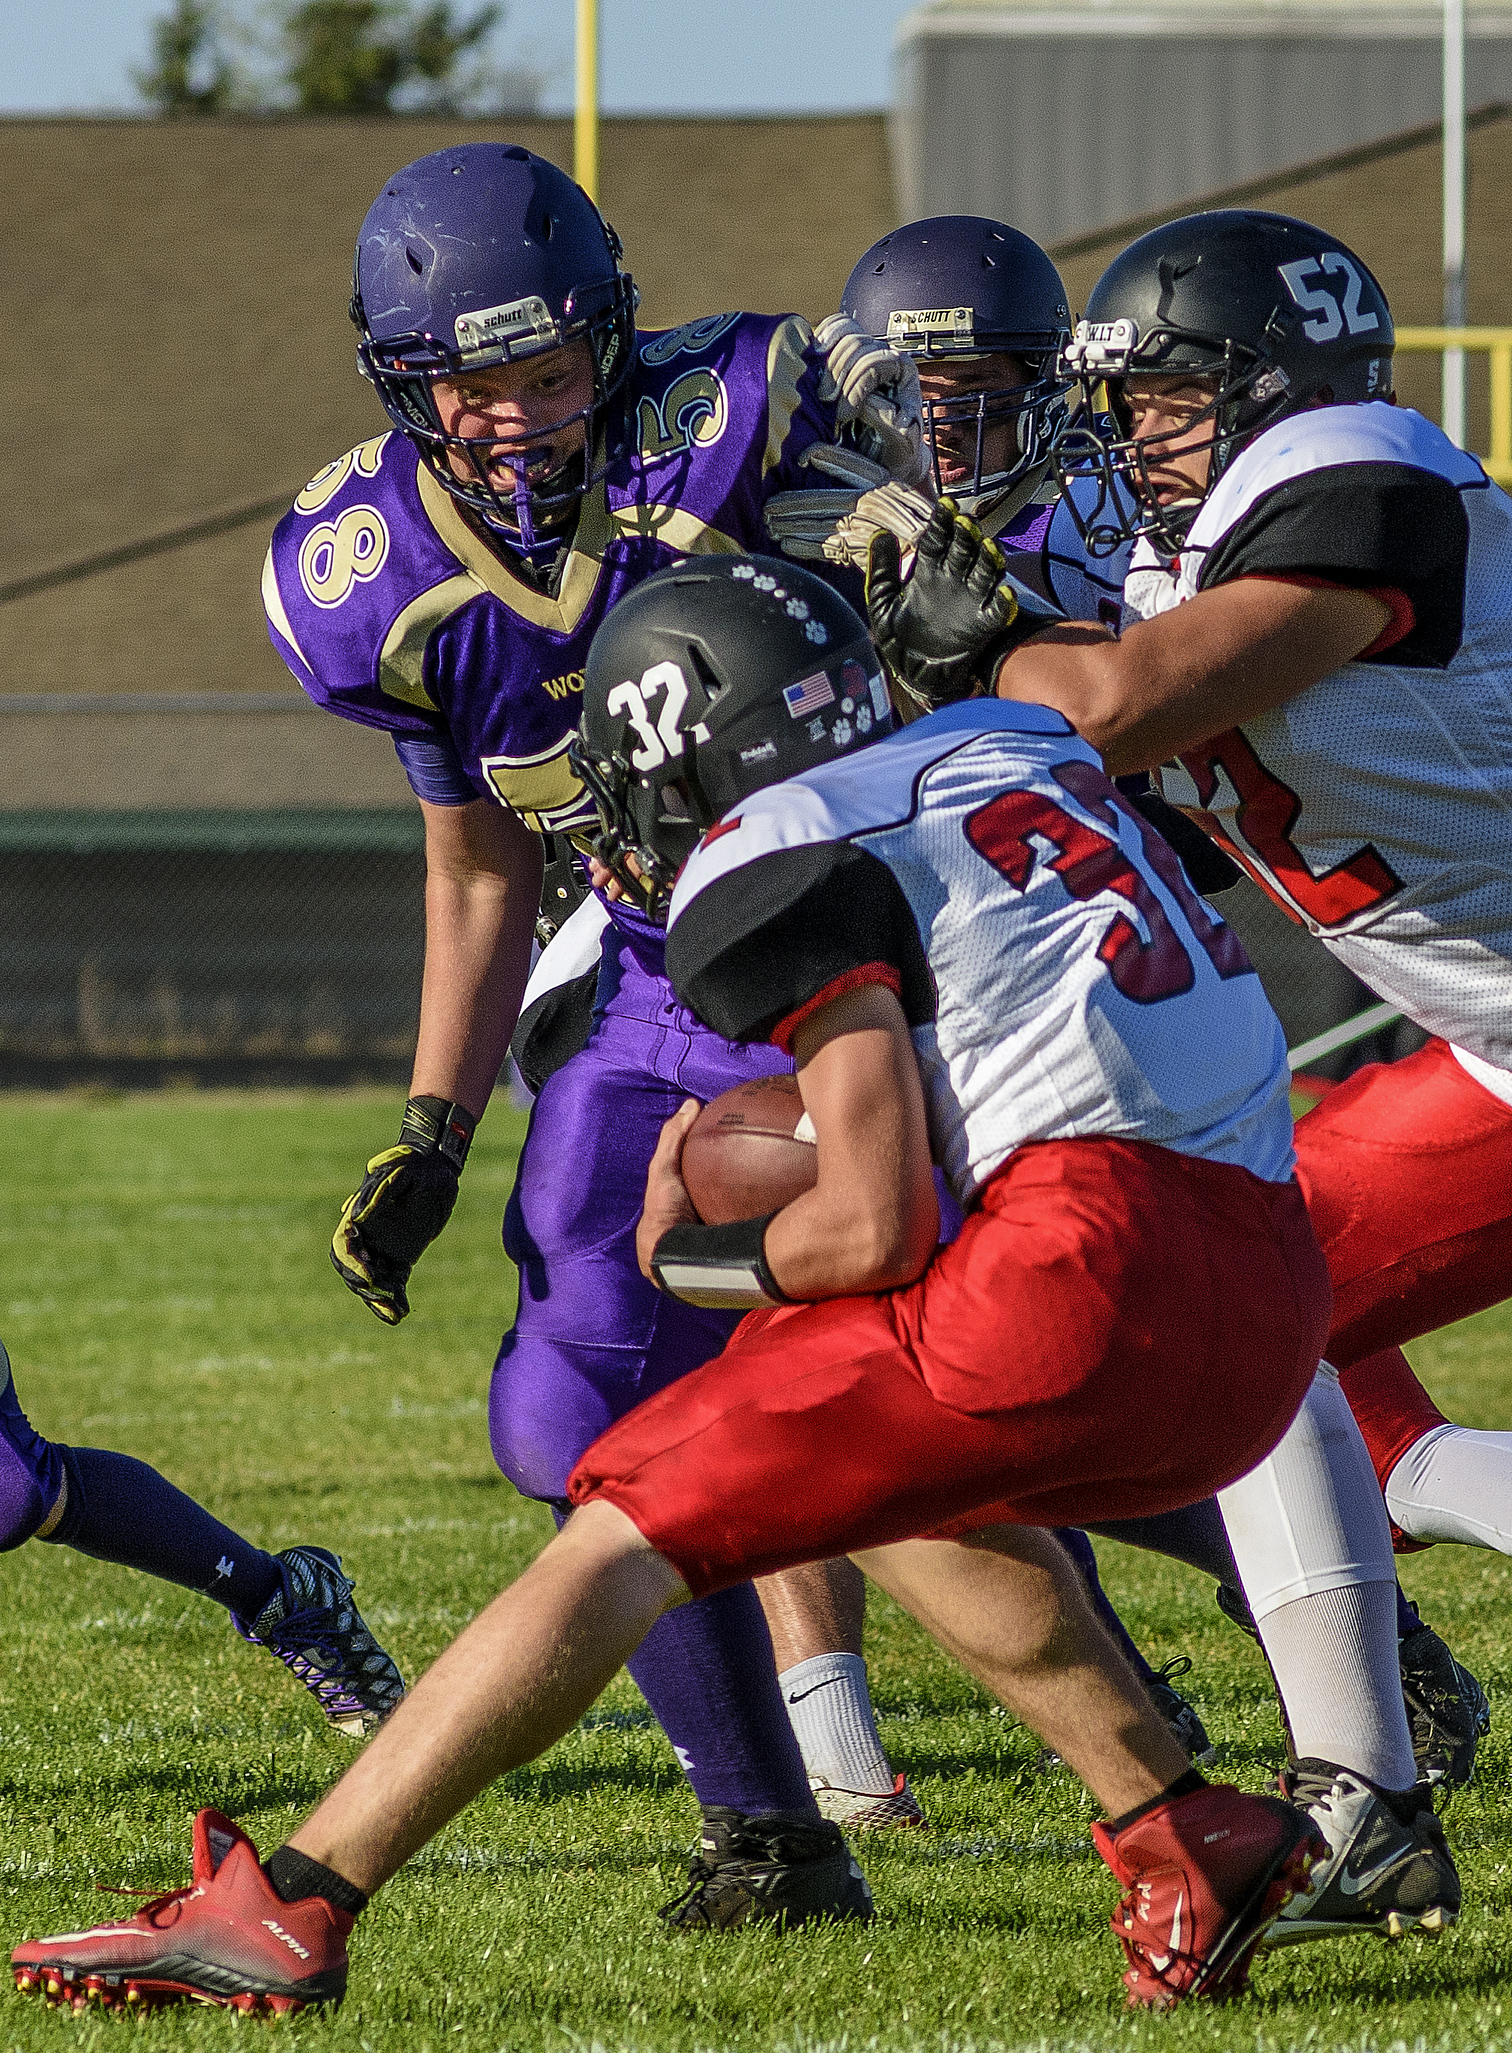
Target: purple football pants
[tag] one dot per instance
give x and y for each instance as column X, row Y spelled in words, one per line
column 592, row 1338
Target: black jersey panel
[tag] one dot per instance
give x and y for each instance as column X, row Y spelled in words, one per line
column 1364, row 525
column 1208, row 869
column 760, row 942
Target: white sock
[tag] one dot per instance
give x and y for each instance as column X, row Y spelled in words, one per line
column 1455, row 1484
column 831, row 1712
column 1344, row 1643
column 1310, row 1537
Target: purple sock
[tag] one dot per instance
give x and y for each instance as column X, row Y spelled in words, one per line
column 31, row 1469
column 1196, row 1535
column 1079, row 1547
column 707, row 1672
column 1407, row 1619
column 121, row 1510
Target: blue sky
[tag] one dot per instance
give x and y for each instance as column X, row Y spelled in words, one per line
column 675, row 56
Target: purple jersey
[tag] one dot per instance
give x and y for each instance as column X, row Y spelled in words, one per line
column 390, row 609
column 1027, row 530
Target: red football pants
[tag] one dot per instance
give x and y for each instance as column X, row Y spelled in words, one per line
column 1408, row 1174
column 1116, row 1331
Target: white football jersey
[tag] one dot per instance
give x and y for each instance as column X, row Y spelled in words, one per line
column 1060, row 977
column 1376, row 806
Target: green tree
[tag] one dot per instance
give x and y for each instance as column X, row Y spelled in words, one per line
column 356, row 56
column 438, row 44
column 189, row 73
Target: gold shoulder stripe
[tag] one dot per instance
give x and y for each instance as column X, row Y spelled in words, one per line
column 785, row 366
column 276, row 611
column 401, row 665
column 675, row 528
column 561, row 614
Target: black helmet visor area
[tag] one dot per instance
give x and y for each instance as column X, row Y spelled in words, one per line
column 543, row 497
column 1113, row 482
column 1273, row 314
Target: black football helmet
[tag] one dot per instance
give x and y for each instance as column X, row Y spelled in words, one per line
column 707, row 682
column 478, row 256
column 1279, row 315
column 957, row 287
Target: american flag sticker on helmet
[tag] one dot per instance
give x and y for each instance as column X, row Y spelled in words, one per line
column 808, row 694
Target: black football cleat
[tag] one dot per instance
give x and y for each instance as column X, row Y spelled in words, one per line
column 1388, row 1869
column 1447, row 1710
column 1187, row 1729
column 312, row 1625
column 784, row 1867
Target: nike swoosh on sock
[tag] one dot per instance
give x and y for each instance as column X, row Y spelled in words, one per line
column 797, row 1696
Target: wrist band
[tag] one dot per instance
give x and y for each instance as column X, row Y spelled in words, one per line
column 439, row 1128
column 721, row 1267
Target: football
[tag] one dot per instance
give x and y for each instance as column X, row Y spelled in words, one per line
column 750, row 1152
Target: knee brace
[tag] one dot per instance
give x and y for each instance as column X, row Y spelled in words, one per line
column 33, row 1485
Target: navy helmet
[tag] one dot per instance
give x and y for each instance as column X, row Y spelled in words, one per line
column 958, row 287
column 1276, row 315
column 477, row 256
column 714, row 678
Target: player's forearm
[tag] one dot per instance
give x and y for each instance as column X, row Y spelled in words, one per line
column 479, row 921
column 1171, row 682
column 871, row 1221
column 848, row 1237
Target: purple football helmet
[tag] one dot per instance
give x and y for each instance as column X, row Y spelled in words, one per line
column 482, row 255
column 956, row 287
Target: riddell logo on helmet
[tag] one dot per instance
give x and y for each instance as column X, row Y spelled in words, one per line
column 521, row 325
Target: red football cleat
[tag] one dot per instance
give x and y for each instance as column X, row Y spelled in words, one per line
column 1205, row 1875
column 229, row 1938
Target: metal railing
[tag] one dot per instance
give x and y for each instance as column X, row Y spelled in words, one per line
column 1497, row 343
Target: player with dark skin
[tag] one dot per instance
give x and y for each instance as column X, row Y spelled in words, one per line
column 942, row 380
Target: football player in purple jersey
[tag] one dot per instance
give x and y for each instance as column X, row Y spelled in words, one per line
column 443, row 582
column 982, row 311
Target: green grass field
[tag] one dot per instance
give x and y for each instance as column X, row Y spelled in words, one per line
column 166, row 1291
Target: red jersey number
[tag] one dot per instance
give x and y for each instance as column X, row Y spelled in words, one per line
column 1089, row 864
column 1264, row 820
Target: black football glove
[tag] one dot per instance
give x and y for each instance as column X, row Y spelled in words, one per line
column 401, row 1205
column 943, row 632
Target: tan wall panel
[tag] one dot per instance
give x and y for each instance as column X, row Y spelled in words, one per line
column 188, row 620
column 183, row 287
